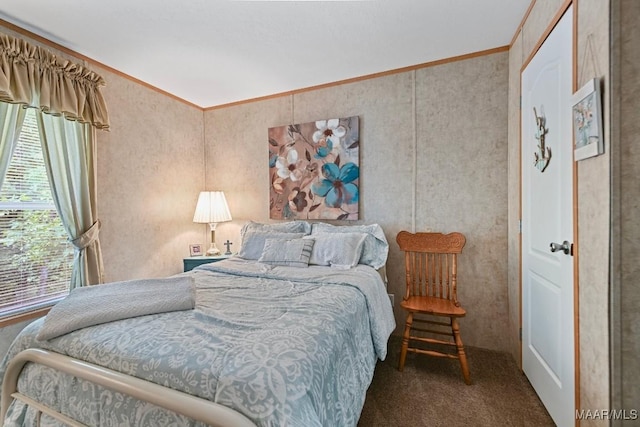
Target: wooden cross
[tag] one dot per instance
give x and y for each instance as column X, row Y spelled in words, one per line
column 228, row 244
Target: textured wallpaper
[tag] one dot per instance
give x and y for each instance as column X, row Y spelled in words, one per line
column 629, row 199
column 150, row 172
column 594, row 193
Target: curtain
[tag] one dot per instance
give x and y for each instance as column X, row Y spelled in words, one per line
column 70, row 156
column 70, row 96
column 32, row 75
column 11, row 118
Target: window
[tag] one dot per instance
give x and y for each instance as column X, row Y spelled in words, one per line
column 35, row 254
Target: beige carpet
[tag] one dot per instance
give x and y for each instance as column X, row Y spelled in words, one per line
column 431, row 392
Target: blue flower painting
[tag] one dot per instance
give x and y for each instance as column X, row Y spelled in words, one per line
column 314, row 170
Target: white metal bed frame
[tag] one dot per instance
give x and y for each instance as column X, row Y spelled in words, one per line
column 197, row 408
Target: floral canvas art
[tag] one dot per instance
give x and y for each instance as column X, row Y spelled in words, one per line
column 314, row 170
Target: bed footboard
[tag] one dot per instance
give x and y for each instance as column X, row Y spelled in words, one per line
column 199, row 409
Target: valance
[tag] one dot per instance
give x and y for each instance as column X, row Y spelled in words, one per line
column 35, row 77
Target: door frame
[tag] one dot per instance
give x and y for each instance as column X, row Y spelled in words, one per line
column 576, row 247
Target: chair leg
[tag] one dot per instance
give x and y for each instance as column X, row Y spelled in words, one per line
column 462, row 356
column 405, row 341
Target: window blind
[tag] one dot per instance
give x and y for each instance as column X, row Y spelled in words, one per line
column 35, row 254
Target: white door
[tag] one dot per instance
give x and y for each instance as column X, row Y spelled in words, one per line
column 547, row 217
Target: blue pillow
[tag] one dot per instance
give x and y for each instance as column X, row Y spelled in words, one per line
column 376, row 247
column 253, row 242
column 342, row 250
column 289, row 252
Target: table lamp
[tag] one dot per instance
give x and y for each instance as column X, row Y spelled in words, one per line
column 211, row 209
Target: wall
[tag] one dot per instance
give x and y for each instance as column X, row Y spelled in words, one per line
column 150, row 171
column 630, row 190
column 593, row 217
column 433, row 155
column 593, row 183
column 625, row 274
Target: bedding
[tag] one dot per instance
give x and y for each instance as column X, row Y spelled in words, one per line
column 376, row 247
column 115, row 301
column 303, row 227
column 292, row 252
column 253, row 242
column 285, row 346
column 337, row 250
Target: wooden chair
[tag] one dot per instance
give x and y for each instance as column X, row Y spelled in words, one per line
column 431, row 262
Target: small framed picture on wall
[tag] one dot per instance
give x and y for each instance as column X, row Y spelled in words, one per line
column 587, row 121
column 195, row 250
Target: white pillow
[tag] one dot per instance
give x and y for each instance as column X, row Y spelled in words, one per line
column 376, row 247
column 289, row 252
column 342, row 250
column 253, row 242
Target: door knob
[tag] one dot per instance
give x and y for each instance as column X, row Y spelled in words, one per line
column 565, row 247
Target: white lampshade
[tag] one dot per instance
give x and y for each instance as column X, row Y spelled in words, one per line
column 212, row 208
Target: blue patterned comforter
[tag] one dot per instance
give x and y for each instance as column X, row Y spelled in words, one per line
column 284, row 346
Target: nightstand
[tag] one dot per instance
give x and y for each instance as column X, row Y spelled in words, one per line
column 193, row 261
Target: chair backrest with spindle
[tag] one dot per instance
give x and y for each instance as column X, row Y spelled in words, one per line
column 431, row 263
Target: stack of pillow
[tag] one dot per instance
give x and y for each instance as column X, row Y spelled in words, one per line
column 299, row 244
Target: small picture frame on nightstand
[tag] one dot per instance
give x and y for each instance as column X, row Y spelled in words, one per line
column 195, row 250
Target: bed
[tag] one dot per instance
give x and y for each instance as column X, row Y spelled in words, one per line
column 277, row 343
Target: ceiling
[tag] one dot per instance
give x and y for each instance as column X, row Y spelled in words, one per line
column 216, row 52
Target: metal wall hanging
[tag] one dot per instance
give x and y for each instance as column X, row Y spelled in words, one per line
column 543, row 155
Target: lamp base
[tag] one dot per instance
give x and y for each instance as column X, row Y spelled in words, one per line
column 213, row 250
